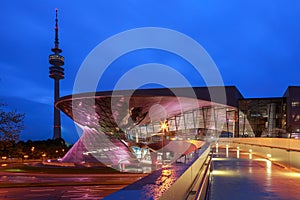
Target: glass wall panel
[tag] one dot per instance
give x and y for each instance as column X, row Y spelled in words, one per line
column 262, row 117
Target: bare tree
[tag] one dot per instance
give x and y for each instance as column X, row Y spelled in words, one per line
column 11, row 124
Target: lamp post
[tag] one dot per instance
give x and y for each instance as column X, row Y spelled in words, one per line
column 32, row 151
column 164, row 128
column 44, row 155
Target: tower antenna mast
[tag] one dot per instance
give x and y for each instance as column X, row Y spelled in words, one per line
column 56, row 72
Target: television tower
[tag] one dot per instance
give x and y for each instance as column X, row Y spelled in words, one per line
column 56, row 72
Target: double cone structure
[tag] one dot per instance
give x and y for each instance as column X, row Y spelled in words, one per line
column 125, row 128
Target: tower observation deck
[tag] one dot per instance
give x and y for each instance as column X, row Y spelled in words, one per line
column 56, row 72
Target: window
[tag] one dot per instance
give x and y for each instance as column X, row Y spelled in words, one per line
column 295, row 103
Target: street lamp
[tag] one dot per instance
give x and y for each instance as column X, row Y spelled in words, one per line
column 164, row 126
column 44, row 155
column 32, row 152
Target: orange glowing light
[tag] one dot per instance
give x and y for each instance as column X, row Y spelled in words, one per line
column 164, row 126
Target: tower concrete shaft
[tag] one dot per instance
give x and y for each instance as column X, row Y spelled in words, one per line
column 56, row 72
column 57, row 122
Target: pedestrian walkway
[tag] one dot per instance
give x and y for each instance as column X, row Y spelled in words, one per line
column 241, row 175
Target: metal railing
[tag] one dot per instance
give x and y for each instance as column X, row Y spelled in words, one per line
column 199, row 189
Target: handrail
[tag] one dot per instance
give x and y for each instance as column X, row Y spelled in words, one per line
column 203, row 186
column 269, row 146
column 199, row 186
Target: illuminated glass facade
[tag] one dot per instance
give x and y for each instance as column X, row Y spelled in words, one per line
column 208, row 121
column 153, row 126
column 150, row 126
column 271, row 117
column 264, row 117
column 292, row 96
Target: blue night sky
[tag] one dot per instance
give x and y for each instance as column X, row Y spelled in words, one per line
column 255, row 45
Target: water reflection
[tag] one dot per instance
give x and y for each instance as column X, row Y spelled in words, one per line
column 227, row 150
column 250, row 154
column 268, row 180
column 163, row 183
column 250, row 169
column 269, row 166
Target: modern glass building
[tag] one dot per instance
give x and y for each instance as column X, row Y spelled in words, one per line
column 264, row 117
column 160, row 125
column 271, row 117
column 292, row 96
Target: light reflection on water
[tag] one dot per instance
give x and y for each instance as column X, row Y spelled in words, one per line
column 163, row 183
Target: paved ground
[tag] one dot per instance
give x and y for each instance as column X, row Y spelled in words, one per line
column 59, row 192
column 241, row 176
column 67, row 186
column 234, row 176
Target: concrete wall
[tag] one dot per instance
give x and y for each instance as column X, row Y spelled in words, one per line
column 284, row 151
column 181, row 187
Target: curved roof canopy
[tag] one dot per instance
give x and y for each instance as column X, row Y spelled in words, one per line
column 116, row 110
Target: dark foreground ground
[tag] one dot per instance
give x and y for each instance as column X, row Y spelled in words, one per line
column 19, row 181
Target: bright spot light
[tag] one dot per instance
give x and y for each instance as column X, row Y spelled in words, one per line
column 227, row 151
column 261, row 159
column 218, row 159
column 224, row 173
column 292, row 174
column 164, row 126
column 269, row 155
